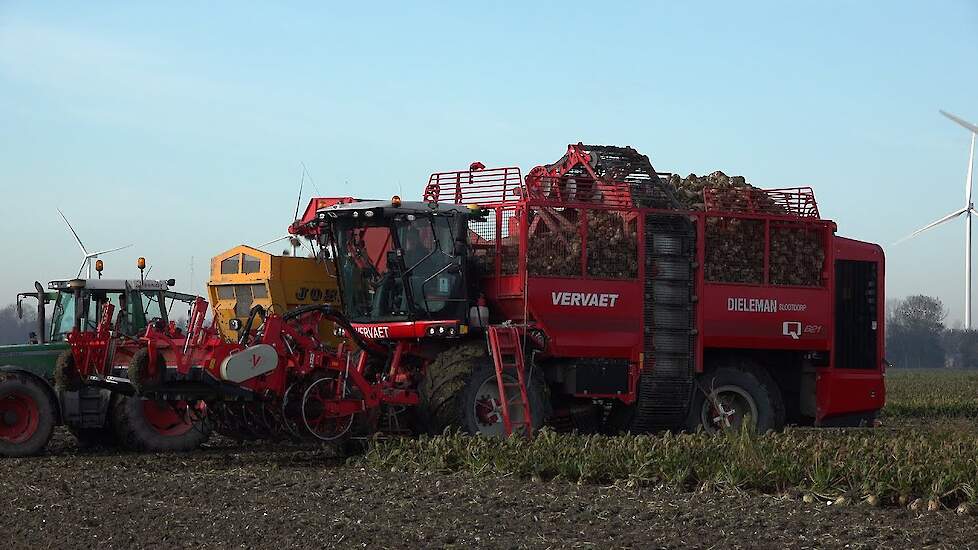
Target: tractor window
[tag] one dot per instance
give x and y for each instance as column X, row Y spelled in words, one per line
column 243, row 300
column 153, row 306
column 229, row 266
column 63, row 317
column 225, row 292
column 434, row 272
column 250, row 264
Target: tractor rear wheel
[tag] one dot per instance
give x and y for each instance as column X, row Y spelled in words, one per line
column 140, row 377
column 27, row 415
column 155, row 426
column 460, row 391
column 66, row 375
column 727, row 397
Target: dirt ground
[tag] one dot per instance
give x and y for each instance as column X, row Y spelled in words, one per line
column 237, row 495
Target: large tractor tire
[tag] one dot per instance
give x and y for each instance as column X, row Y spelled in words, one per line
column 728, row 396
column 140, row 377
column 148, row 425
column 27, row 415
column 66, row 375
column 459, row 391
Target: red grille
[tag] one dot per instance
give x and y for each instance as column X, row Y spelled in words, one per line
column 799, row 201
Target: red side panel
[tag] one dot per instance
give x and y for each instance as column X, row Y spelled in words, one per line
column 855, row 389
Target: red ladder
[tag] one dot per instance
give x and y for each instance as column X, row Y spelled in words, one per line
column 507, row 354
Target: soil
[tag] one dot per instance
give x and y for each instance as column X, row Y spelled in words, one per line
column 262, row 495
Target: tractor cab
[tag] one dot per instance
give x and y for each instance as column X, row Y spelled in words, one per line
column 78, row 304
column 402, row 265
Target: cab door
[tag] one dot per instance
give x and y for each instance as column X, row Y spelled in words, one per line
column 851, row 388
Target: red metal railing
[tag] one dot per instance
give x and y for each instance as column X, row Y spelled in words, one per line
column 799, row 201
column 486, row 187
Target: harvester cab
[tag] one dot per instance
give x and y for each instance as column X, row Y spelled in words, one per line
column 402, row 267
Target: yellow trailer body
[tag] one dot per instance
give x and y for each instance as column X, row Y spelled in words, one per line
column 243, row 277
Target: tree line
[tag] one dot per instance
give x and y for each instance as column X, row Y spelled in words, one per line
column 14, row 330
column 916, row 336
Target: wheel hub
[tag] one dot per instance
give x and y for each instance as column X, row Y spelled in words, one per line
column 20, row 417
column 488, row 410
column 728, row 407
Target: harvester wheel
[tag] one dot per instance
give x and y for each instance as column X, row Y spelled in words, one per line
column 27, row 415
column 460, row 391
column 140, row 377
column 66, row 375
column 155, row 426
column 729, row 396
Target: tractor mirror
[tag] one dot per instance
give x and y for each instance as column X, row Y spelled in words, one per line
column 20, row 308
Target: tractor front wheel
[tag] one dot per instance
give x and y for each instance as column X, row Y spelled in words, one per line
column 27, row 415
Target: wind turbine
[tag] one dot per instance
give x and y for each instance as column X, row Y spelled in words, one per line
column 88, row 256
column 294, row 241
column 968, row 210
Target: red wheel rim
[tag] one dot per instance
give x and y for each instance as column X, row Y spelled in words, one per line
column 169, row 419
column 19, row 417
column 316, row 410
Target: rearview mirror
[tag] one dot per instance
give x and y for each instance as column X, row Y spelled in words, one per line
column 20, row 308
column 234, row 324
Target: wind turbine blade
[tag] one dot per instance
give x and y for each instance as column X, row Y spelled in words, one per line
column 93, row 254
column 931, row 225
column 72, row 229
column 82, row 267
column 273, row 241
column 960, row 121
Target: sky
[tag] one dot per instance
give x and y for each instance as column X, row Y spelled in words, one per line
column 180, row 127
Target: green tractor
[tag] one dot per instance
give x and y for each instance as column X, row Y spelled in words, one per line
column 33, row 399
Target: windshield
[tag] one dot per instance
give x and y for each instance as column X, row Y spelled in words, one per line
column 63, row 318
column 400, row 268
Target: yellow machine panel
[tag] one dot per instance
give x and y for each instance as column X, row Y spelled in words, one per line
column 244, row 277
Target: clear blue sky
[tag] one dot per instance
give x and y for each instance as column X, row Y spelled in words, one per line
column 180, row 127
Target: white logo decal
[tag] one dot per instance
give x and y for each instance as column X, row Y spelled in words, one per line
column 584, row 299
column 792, row 329
column 760, row 305
column 374, row 333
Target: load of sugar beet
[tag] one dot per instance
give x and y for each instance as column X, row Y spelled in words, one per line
column 734, row 246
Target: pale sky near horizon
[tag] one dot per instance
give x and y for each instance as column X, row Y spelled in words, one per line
column 180, row 127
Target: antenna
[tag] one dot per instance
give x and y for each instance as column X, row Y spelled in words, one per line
column 968, row 210
column 87, row 256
